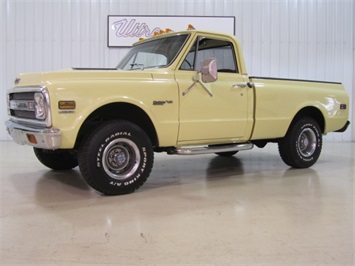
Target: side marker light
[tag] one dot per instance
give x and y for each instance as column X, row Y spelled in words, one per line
column 66, row 105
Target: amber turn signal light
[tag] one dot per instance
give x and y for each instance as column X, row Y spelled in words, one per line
column 32, row 138
column 66, row 105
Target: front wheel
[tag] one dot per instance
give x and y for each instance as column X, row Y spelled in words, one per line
column 302, row 145
column 116, row 158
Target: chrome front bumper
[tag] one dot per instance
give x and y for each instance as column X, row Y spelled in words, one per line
column 44, row 138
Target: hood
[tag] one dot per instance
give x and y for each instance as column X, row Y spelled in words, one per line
column 84, row 74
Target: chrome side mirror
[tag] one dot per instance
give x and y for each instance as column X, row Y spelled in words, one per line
column 209, row 70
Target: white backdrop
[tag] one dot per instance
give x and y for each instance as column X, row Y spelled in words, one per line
column 280, row 38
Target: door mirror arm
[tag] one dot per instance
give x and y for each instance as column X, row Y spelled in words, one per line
column 209, row 74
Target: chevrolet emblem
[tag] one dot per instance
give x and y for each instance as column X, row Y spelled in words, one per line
column 17, row 81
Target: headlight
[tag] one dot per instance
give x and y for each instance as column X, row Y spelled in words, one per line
column 40, row 106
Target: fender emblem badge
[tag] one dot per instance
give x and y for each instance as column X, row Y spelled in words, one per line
column 162, row 102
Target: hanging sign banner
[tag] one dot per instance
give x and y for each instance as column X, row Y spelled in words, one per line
column 123, row 31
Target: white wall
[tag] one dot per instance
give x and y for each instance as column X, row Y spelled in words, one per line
column 281, row 38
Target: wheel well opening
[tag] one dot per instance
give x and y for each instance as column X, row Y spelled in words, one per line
column 124, row 111
column 314, row 113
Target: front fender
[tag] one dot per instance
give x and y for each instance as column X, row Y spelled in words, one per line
column 88, row 99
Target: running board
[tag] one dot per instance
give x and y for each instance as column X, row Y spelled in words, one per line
column 211, row 149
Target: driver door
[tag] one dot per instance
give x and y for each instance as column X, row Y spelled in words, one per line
column 219, row 115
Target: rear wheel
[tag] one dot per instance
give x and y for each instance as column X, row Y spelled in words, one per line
column 302, row 145
column 116, row 158
column 59, row 160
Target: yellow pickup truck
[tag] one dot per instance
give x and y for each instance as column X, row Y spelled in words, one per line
column 182, row 93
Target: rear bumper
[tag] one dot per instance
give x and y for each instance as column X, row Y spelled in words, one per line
column 344, row 127
column 45, row 138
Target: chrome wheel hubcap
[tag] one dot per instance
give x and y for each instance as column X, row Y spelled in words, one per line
column 307, row 142
column 121, row 159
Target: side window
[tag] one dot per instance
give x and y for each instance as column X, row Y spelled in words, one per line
column 221, row 50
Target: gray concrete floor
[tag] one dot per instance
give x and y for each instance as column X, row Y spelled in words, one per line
column 250, row 209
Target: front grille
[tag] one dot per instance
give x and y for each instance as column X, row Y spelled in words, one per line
column 25, row 106
column 23, row 114
column 21, row 105
column 21, row 96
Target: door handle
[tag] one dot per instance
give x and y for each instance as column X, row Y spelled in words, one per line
column 250, row 84
column 239, row 85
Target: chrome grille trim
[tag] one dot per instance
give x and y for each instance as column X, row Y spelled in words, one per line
column 21, row 105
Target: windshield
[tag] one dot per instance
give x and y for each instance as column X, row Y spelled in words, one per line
column 156, row 53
